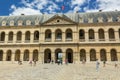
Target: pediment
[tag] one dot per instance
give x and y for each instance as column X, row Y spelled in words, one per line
column 58, row 20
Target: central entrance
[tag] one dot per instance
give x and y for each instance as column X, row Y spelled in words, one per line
column 69, row 55
column 57, row 51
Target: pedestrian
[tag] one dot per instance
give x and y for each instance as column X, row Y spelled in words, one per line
column 116, row 65
column 52, row 61
column 30, row 62
column 34, row 62
column 58, row 61
column 104, row 63
column 66, row 61
column 83, row 61
column 97, row 65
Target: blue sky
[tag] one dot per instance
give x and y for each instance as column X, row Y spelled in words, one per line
column 31, row 7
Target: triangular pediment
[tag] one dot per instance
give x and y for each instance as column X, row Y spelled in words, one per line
column 58, row 20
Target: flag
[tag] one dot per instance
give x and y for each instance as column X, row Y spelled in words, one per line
column 63, row 7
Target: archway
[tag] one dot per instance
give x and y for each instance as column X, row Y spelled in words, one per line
column 82, row 55
column 9, row 55
column 1, row 55
column 92, row 55
column 26, row 55
column 103, row 55
column 35, row 55
column 47, row 56
column 57, row 51
column 113, row 54
column 69, row 55
column 17, row 55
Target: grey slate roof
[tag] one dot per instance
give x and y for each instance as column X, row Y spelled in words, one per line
column 72, row 16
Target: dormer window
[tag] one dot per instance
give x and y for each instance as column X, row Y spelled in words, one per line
column 28, row 22
column 100, row 19
column 118, row 18
column 20, row 22
column 80, row 20
column 36, row 22
column 3, row 23
column 109, row 19
column 90, row 20
column 12, row 23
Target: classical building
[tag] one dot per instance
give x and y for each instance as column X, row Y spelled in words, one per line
column 76, row 36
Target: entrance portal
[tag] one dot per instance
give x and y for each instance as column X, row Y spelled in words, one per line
column 57, row 51
column 69, row 55
column 47, row 56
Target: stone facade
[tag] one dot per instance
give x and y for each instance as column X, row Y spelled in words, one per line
column 78, row 36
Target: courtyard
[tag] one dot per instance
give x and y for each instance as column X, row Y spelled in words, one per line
column 13, row 71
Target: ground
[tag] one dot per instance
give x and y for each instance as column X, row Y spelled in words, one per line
column 13, row 71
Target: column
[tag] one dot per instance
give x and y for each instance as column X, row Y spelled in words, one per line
column 96, row 37
column 21, row 56
column 31, row 37
column 53, row 36
column 23, row 38
column 98, row 56
column 63, row 37
column 39, row 57
column 63, row 57
column 4, row 55
column 13, row 56
column 116, row 36
column 106, row 36
column 86, row 37
column 108, row 56
column 31, row 56
column 118, row 55
column 14, row 38
column 6, row 38
column 87, row 57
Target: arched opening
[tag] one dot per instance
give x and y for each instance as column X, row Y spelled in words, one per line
column 10, row 36
column 68, row 34
column 2, row 36
column 113, row 54
column 111, row 35
column 57, row 52
column 17, row 55
column 27, row 36
column 69, row 55
column 58, row 34
column 19, row 36
column 47, row 56
column 26, row 55
column 91, row 35
column 1, row 55
column 82, row 55
column 81, row 34
column 101, row 35
column 92, row 55
column 35, row 55
column 36, row 35
column 9, row 55
column 48, row 35
column 103, row 56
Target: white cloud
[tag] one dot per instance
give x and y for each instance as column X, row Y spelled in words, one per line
column 34, row 7
column 26, row 11
column 77, row 2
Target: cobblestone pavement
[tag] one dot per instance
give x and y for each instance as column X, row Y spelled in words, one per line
column 58, row 72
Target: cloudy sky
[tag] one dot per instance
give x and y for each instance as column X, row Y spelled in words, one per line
column 30, row 7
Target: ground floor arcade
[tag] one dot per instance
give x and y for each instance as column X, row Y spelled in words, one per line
column 72, row 54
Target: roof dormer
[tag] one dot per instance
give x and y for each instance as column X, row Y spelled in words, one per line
column 11, row 23
column 3, row 23
column 20, row 23
column 28, row 22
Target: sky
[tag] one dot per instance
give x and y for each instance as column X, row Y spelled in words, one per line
column 33, row 7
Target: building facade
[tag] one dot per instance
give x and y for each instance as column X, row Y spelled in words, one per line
column 77, row 36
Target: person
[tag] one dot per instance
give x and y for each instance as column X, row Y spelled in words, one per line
column 104, row 62
column 52, row 61
column 30, row 62
column 58, row 61
column 116, row 65
column 34, row 62
column 83, row 61
column 19, row 62
column 66, row 61
column 97, row 65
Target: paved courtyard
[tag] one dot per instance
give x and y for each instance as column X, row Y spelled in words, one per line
column 13, row 71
